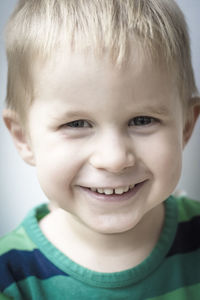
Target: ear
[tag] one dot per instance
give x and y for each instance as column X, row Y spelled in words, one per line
column 191, row 118
column 20, row 137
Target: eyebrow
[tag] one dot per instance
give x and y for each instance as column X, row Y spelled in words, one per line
column 158, row 110
column 71, row 114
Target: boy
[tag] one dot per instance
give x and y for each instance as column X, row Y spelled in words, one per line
column 102, row 101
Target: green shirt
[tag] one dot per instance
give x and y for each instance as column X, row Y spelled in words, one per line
column 32, row 268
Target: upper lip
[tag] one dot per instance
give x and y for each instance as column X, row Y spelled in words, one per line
column 117, row 187
column 112, row 186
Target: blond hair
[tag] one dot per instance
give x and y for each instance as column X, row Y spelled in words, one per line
column 38, row 27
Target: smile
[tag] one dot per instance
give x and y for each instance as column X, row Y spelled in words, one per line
column 114, row 194
column 113, row 191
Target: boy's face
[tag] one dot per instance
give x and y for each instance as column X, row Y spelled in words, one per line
column 94, row 129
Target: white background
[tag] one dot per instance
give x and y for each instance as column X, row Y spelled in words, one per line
column 19, row 189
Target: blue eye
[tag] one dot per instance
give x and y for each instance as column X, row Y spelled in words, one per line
column 78, row 124
column 142, row 121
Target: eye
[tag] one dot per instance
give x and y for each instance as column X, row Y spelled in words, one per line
column 78, row 124
column 142, row 121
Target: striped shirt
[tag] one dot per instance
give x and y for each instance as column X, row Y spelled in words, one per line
column 32, row 268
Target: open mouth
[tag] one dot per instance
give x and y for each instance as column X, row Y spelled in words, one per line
column 113, row 191
column 114, row 194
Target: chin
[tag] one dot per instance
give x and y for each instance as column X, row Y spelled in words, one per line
column 110, row 225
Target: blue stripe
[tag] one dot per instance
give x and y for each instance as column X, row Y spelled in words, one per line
column 187, row 237
column 17, row 265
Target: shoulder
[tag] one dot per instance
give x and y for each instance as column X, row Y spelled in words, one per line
column 188, row 209
column 24, row 265
column 187, row 238
column 18, row 254
column 20, row 239
column 17, row 239
column 13, row 249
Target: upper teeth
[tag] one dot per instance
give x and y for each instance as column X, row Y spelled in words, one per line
column 109, row 191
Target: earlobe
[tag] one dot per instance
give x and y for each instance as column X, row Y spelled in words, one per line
column 20, row 137
column 191, row 118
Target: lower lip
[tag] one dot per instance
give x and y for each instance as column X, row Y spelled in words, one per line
column 114, row 197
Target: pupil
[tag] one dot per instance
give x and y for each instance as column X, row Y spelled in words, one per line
column 142, row 120
column 78, row 123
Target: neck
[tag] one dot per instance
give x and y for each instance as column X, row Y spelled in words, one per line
column 103, row 252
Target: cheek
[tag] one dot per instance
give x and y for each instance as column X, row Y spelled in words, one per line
column 53, row 179
column 56, row 168
column 169, row 164
column 163, row 157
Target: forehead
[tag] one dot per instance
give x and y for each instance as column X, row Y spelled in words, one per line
column 68, row 71
column 83, row 86
column 74, row 86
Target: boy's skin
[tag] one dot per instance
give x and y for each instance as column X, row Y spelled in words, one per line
column 107, row 150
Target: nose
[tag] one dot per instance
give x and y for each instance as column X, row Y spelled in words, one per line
column 113, row 153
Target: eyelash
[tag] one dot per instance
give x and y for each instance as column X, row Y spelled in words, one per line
column 78, row 124
column 140, row 121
